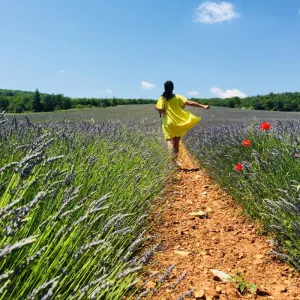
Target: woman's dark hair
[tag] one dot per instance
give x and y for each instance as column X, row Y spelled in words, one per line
column 169, row 87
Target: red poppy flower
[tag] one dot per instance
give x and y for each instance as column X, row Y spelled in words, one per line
column 238, row 167
column 265, row 126
column 246, row 143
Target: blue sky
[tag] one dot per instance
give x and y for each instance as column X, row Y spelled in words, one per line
column 129, row 48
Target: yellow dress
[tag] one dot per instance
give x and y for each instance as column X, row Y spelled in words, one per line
column 176, row 121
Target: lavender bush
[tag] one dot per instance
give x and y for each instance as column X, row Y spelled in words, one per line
column 73, row 201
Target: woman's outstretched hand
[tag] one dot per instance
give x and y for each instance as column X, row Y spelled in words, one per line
column 196, row 104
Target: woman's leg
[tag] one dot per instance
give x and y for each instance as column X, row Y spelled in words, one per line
column 170, row 144
column 173, row 145
column 176, row 141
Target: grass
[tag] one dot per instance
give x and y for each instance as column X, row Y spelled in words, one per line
column 74, row 199
column 264, row 177
column 241, row 284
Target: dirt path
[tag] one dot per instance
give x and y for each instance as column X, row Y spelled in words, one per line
column 223, row 240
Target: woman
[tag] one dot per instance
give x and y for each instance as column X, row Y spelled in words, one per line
column 176, row 121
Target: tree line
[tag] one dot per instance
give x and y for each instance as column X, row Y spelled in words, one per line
column 274, row 102
column 15, row 101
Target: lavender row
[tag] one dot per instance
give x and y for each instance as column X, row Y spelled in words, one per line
column 259, row 165
column 74, row 199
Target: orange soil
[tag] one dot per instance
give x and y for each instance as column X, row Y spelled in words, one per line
column 224, row 240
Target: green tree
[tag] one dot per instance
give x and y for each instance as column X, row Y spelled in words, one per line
column 59, row 99
column 48, row 103
column 36, row 103
column 67, row 103
column 106, row 102
column 16, row 105
column 27, row 102
column 3, row 103
column 114, row 102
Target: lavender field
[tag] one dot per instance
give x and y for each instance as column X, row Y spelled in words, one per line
column 146, row 115
column 77, row 187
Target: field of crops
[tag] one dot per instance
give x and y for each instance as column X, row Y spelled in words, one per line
column 260, row 167
column 73, row 202
column 76, row 191
column 147, row 115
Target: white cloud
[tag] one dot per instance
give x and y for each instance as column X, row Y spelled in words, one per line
column 192, row 93
column 228, row 93
column 215, row 12
column 61, row 71
column 108, row 91
column 147, row 85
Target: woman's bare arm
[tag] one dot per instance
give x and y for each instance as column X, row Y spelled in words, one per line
column 193, row 103
column 160, row 111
